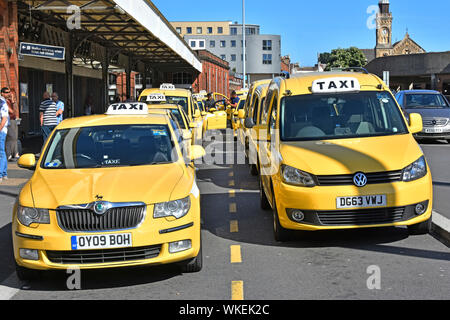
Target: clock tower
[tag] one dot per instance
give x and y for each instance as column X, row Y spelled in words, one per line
column 384, row 30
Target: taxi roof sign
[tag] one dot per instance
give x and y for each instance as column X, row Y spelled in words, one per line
column 130, row 108
column 156, row 97
column 335, row 85
column 167, row 86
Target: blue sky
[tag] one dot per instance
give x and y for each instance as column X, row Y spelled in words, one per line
column 310, row 27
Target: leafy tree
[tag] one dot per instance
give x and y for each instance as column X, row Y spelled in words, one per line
column 343, row 58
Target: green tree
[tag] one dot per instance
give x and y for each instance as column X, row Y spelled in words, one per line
column 343, row 58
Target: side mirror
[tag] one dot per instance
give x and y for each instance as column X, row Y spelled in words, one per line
column 204, row 113
column 197, row 114
column 212, row 109
column 197, row 152
column 248, row 123
column 27, row 161
column 192, row 125
column 187, row 135
column 241, row 114
column 415, row 123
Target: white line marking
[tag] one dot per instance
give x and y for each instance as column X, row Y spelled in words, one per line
column 9, row 287
column 441, row 221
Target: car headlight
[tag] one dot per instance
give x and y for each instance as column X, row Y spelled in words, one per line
column 297, row 177
column 27, row 215
column 177, row 208
column 415, row 170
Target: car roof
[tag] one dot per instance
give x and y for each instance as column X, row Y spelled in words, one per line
column 420, row 91
column 301, row 83
column 104, row 120
column 176, row 92
column 162, row 106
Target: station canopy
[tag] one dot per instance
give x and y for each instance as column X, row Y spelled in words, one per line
column 134, row 28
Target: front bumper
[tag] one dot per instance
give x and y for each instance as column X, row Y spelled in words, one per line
column 150, row 244
column 318, row 204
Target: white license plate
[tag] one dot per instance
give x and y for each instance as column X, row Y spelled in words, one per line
column 361, row 201
column 434, row 130
column 102, row 241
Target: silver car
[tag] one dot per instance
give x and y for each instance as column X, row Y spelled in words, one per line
column 434, row 109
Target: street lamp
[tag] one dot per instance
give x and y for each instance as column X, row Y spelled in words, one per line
column 243, row 44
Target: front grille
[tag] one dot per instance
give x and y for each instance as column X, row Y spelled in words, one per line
column 103, row 255
column 439, row 122
column 362, row 216
column 85, row 220
column 372, row 178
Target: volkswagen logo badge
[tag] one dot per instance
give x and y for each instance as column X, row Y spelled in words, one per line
column 100, row 207
column 360, row 179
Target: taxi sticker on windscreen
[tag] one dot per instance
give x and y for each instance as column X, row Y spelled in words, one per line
column 335, row 85
column 159, row 132
column 156, row 97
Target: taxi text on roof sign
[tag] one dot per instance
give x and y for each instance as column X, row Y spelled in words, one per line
column 335, row 85
column 127, row 109
column 156, row 97
column 167, row 86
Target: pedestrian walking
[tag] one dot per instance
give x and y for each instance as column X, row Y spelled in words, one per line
column 88, row 106
column 12, row 150
column 59, row 107
column 4, row 120
column 47, row 111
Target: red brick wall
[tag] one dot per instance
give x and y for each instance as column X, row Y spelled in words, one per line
column 121, row 85
column 215, row 77
column 9, row 42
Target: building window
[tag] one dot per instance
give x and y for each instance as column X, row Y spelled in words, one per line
column 182, row 78
column 222, row 44
column 233, row 31
column 212, row 44
column 201, row 44
column 210, row 30
column 138, row 79
column 233, row 57
column 267, row 59
column 192, row 44
column 267, row 45
column 199, row 30
column 219, row 30
column 233, row 43
column 188, row 30
column 250, row 31
column 223, row 57
column 179, row 30
column 112, row 79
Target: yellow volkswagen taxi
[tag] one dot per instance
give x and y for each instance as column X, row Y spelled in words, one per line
column 338, row 154
column 109, row 190
column 184, row 98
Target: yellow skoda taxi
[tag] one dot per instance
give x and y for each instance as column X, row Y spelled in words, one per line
column 338, row 154
column 182, row 97
column 109, row 190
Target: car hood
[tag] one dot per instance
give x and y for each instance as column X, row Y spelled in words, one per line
column 348, row 156
column 431, row 112
column 148, row 184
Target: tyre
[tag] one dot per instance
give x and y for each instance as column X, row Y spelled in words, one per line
column 448, row 141
column 194, row 265
column 281, row 234
column 264, row 202
column 420, row 228
column 253, row 170
column 26, row 274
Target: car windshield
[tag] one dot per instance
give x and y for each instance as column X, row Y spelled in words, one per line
column 340, row 116
column 179, row 117
column 182, row 101
column 241, row 104
column 109, row 146
column 425, row 100
column 200, row 106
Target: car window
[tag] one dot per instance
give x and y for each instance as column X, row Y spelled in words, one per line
column 425, row 100
column 109, row 146
column 339, row 116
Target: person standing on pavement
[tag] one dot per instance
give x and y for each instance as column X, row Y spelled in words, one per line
column 12, row 152
column 4, row 120
column 47, row 112
column 59, row 107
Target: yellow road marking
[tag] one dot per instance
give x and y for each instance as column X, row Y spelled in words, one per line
column 231, row 174
column 231, row 183
column 232, row 193
column 234, row 226
column 237, row 290
column 233, row 208
column 235, row 254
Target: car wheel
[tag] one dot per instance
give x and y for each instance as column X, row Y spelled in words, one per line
column 264, row 202
column 253, row 170
column 281, row 234
column 448, row 141
column 26, row 274
column 194, row 265
column 420, row 228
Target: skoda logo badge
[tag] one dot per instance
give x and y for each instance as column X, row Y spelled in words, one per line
column 360, row 179
column 100, row 207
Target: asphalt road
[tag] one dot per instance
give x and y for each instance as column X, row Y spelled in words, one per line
column 242, row 260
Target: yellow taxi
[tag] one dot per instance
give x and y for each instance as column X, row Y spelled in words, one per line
column 109, row 190
column 184, row 98
column 235, row 119
column 338, row 153
column 216, row 117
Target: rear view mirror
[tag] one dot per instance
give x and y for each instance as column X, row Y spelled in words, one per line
column 415, row 123
column 192, row 125
column 197, row 114
column 27, row 161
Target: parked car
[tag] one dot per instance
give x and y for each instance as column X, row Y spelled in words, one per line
column 434, row 109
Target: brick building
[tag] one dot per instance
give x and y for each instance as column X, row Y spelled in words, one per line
column 9, row 39
column 215, row 75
